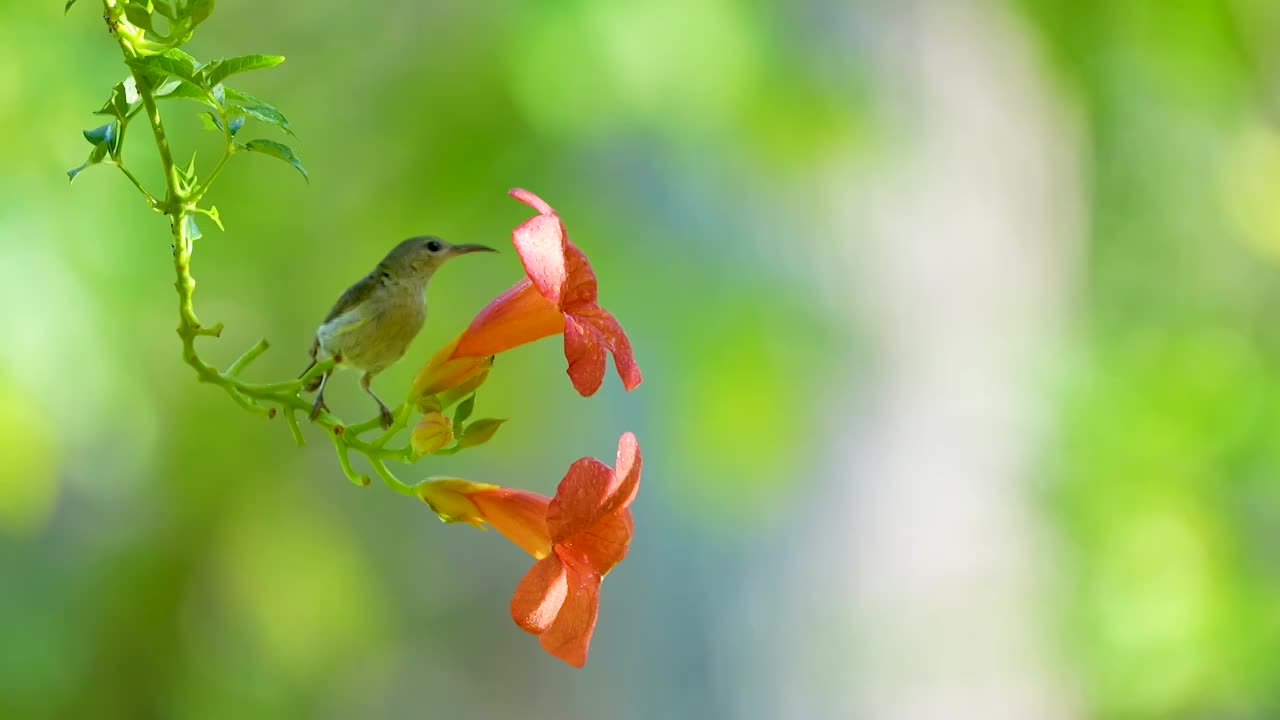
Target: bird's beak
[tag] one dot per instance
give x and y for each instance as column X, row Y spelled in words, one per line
column 464, row 249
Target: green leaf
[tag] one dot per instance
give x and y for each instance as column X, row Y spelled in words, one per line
column 259, row 109
column 101, row 135
column 165, row 8
column 186, row 176
column 198, row 11
column 66, row 10
column 212, row 212
column 277, row 150
column 463, row 411
column 106, row 137
column 174, row 89
column 182, row 56
column 480, row 432
column 210, row 121
column 138, row 15
column 97, row 155
column 171, row 63
column 219, row 70
column 124, row 100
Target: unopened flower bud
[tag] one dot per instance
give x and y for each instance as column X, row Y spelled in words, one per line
column 432, row 432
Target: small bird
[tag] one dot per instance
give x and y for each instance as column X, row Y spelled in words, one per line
column 372, row 324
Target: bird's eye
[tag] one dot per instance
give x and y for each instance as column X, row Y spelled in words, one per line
column 434, row 246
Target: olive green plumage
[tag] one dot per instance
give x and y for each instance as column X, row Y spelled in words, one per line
column 375, row 320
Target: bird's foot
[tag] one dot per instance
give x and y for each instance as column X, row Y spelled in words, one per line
column 385, row 418
column 318, row 407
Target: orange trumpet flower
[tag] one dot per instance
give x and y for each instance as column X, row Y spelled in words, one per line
column 558, row 295
column 577, row 538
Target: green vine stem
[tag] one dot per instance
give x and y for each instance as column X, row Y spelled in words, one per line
column 268, row 400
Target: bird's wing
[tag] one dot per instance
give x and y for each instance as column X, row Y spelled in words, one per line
column 353, row 296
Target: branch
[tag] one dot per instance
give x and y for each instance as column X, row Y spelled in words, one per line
column 267, row 400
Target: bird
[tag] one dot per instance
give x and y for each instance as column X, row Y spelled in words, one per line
column 374, row 320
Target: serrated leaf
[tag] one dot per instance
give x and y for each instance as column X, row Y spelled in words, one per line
column 174, row 89
column 464, row 411
column 138, row 15
column 480, row 432
column 182, row 56
column 193, row 230
column 259, row 109
column 219, row 70
column 277, row 150
column 171, row 63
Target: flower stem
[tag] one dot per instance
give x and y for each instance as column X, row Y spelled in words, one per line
column 178, row 205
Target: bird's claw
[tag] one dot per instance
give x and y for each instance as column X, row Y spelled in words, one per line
column 318, row 407
column 385, row 418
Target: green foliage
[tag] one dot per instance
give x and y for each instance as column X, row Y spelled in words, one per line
column 161, row 71
column 258, row 109
column 106, row 140
column 277, row 150
column 171, row 63
column 463, row 411
column 124, row 101
column 480, row 432
column 106, row 135
column 219, row 70
column 182, row 18
column 211, row 121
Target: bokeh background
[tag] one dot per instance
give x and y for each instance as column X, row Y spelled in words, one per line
column 957, row 317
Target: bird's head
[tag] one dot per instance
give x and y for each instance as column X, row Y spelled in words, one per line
column 418, row 257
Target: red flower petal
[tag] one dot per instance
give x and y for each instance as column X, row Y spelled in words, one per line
column 581, row 289
column 540, row 243
column 626, row 470
column 587, row 334
column 569, row 637
column 590, row 490
column 540, row 595
column 604, row 544
column 585, row 353
column 533, row 201
column 580, row 499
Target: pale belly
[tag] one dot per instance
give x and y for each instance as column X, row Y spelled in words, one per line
column 371, row 341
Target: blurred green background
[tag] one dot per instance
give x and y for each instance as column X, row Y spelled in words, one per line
column 957, row 322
